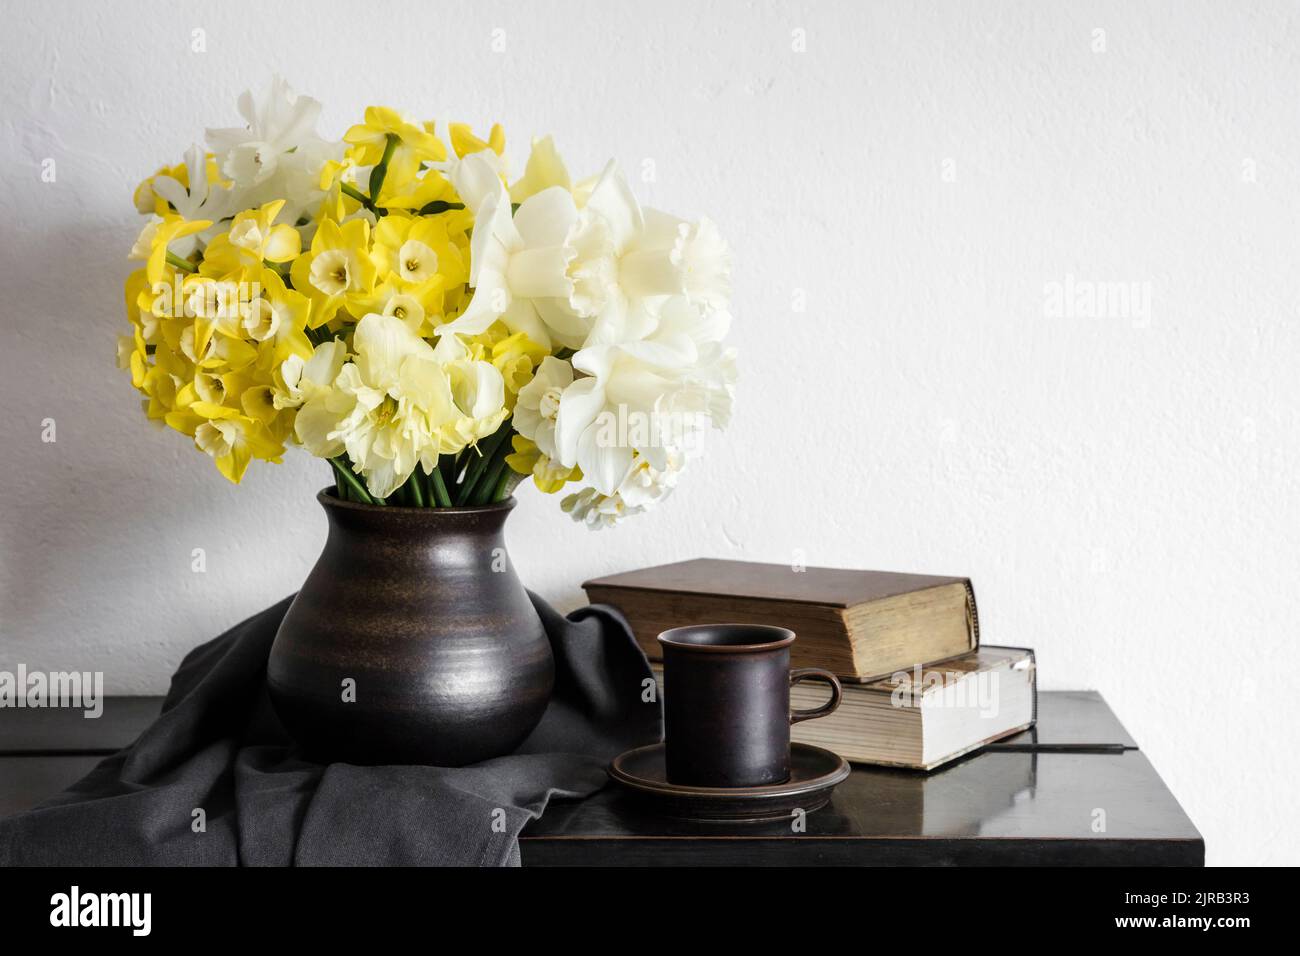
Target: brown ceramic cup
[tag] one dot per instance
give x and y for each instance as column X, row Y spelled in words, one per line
column 727, row 704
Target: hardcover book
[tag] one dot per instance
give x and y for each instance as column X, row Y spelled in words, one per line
column 924, row 717
column 861, row 625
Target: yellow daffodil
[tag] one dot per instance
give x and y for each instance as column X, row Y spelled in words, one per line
column 253, row 239
column 516, row 356
column 416, row 249
column 136, row 290
column 233, row 440
column 147, row 201
column 160, row 381
column 277, row 318
column 415, row 192
column 464, row 142
column 545, row 169
column 334, row 204
column 420, row 306
column 258, row 403
column 338, row 267
column 387, row 135
column 369, row 139
column 549, row 476
column 154, row 239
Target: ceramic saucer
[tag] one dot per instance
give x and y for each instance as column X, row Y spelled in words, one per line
column 814, row 772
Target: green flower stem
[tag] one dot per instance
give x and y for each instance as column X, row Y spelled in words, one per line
column 439, row 206
column 491, row 481
column 478, row 465
column 358, row 195
column 177, row 262
column 440, row 489
column 417, row 493
column 487, row 487
column 506, row 484
column 448, row 469
column 319, row 336
column 472, row 472
column 354, row 484
column 380, row 172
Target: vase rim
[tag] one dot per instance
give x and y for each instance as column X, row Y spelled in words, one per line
column 329, row 499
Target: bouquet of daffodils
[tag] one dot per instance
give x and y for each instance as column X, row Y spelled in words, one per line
column 394, row 304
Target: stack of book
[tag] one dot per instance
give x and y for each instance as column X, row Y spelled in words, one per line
column 919, row 689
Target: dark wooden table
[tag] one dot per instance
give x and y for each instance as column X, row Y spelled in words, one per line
column 1075, row 790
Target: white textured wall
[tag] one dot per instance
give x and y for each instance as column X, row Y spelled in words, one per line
column 1122, row 490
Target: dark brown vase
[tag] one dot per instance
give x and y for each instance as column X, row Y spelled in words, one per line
column 412, row 640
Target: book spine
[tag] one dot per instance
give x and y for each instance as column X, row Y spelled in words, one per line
column 1033, row 680
column 972, row 615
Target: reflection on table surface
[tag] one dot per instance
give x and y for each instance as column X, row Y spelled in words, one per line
column 990, row 794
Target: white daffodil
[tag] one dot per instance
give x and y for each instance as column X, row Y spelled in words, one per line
column 674, row 257
column 597, row 412
column 217, row 438
column 666, row 264
column 400, row 403
column 595, row 510
column 279, row 153
column 548, row 269
column 278, row 123
column 305, row 381
column 608, row 223
column 631, row 263
column 309, row 386
column 595, row 274
column 646, row 485
column 202, row 199
column 478, row 393
column 708, row 389
column 539, row 403
column 391, row 379
column 640, row 399
column 516, row 260
column 682, row 342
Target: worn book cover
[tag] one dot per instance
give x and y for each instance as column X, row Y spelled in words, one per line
column 859, row 624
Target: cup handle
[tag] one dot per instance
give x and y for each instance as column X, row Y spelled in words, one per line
column 816, row 673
